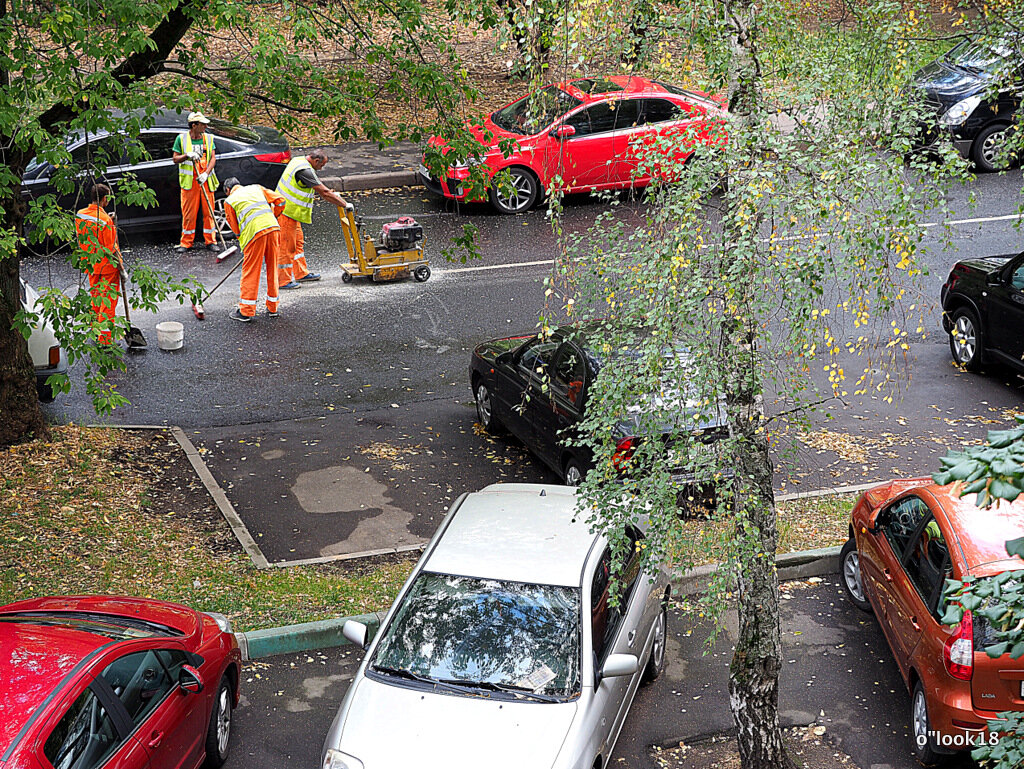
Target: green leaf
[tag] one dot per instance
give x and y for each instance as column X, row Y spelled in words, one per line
column 1016, row 547
column 997, row 650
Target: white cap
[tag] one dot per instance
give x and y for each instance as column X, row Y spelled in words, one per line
column 197, row 117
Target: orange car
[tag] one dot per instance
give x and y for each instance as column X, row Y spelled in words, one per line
column 906, row 538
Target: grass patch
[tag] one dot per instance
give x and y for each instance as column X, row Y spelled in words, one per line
column 115, row 512
column 803, row 524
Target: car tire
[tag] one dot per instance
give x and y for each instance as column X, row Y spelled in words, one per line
column 485, row 409
column 986, row 146
column 527, row 191
column 573, row 472
column 851, row 576
column 965, row 340
column 45, row 392
column 920, row 725
column 218, row 734
column 656, row 662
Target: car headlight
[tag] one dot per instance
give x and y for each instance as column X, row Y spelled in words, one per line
column 959, row 112
column 335, row 759
column 222, row 622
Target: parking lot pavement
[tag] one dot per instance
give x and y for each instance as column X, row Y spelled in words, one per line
column 837, row 671
column 358, row 482
column 287, row 705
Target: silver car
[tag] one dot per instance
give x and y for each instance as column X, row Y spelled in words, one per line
column 505, row 647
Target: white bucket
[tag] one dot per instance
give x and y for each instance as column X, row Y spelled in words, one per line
column 170, row 335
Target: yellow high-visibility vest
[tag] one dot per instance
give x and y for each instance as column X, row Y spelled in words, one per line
column 298, row 198
column 253, row 211
column 186, row 171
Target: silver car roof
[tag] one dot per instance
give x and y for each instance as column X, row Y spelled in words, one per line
column 519, row 532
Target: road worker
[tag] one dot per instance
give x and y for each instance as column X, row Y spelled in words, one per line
column 299, row 185
column 195, row 154
column 97, row 237
column 252, row 213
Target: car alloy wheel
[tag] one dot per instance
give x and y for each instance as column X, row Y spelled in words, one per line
column 853, row 578
column 965, row 340
column 992, row 147
column 656, row 662
column 516, row 195
column 483, row 405
column 573, row 473
column 919, row 721
column 218, row 736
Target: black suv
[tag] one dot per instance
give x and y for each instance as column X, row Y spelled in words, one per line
column 959, row 88
column 983, row 311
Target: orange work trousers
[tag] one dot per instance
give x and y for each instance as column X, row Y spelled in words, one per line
column 104, row 286
column 291, row 265
column 192, row 201
column 261, row 249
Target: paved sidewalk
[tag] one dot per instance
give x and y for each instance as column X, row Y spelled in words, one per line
column 365, row 166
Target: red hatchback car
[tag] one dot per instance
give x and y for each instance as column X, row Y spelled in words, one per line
column 95, row 681
column 589, row 134
column 906, row 538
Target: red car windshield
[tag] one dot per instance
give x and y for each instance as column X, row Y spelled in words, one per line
column 533, row 113
column 109, row 626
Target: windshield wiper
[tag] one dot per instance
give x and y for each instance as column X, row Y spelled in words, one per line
column 506, row 688
column 401, row 673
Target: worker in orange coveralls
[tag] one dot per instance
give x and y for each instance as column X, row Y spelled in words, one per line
column 252, row 213
column 97, row 236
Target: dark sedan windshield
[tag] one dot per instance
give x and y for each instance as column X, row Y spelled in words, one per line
column 533, row 113
column 487, row 633
column 979, row 57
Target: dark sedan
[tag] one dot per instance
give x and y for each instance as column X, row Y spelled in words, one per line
column 974, row 92
column 983, row 311
column 254, row 154
column 508, row 378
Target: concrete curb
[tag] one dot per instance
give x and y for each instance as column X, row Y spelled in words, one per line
column 799, row 565
column 326, row 634
column 354, row 182
column 306, row 636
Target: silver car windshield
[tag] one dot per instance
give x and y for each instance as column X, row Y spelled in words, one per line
column 486, row 634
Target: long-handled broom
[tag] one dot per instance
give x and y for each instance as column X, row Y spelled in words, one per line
column 197, row 305
column 225, row 252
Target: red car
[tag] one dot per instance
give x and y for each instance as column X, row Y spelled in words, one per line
column 586, row 134
column 906, row 538
column 97, row 681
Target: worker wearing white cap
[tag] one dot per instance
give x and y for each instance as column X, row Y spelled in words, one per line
column 194, row 152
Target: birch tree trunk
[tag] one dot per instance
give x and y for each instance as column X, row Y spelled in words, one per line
column 756, row 663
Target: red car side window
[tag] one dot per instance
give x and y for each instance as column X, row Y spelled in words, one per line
column 84, row 738
column 900, row 520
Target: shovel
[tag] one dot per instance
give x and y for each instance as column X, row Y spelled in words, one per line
column 135, row 340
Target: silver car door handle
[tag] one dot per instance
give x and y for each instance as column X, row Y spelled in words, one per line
column 631, row 637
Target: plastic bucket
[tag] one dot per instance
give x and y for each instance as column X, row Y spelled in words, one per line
column 170, row 335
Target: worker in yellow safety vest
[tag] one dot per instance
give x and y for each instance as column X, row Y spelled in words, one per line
column 195, row 153
column 252, row 213
column 299, row 186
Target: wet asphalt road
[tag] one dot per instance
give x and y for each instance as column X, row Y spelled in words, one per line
column 837, row 672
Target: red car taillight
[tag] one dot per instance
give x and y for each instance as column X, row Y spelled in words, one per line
column 958, row 651
column 623, row 451
column 276, row 157
column 54, row 355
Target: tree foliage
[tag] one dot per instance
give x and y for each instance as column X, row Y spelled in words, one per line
column 78, row 67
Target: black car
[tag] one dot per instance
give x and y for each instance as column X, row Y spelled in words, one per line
column 508, row 376
column 958, row 88
column 254, row 154
column 983, row 311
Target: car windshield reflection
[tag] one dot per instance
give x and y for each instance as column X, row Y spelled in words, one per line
column 535, row 112
column 489, row 635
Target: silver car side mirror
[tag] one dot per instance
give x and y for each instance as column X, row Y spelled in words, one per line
column 620, row 665
column 355, row 632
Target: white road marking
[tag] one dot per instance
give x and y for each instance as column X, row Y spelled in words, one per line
column 926, row 226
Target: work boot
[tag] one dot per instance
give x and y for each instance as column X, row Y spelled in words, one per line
column 291, row 285
column 271, row 313
column 310, row 277
column 213, row 247
column 180, row 247
column 236, row 314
